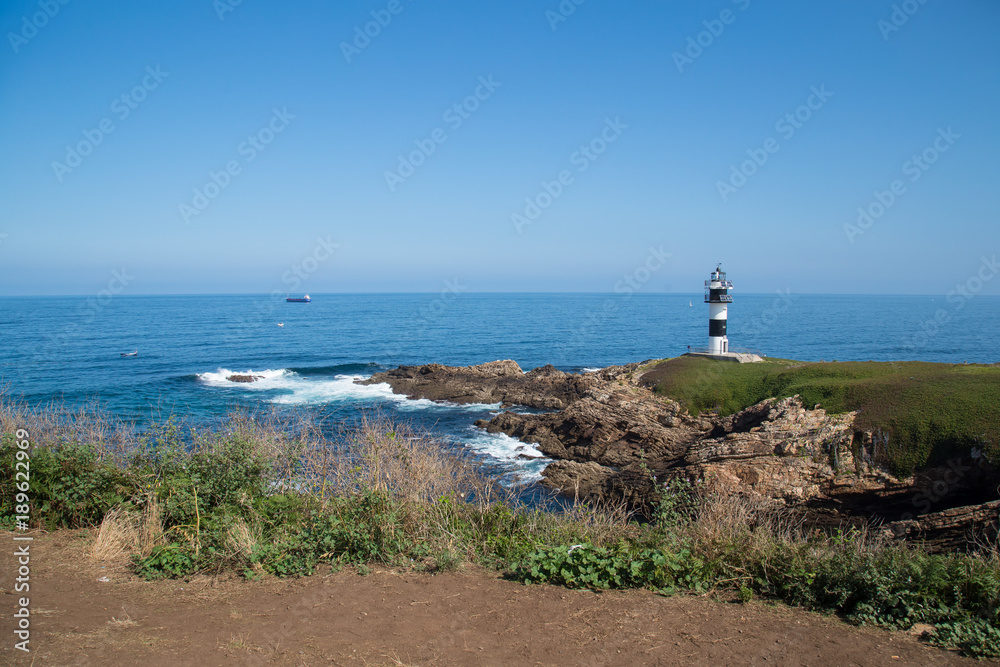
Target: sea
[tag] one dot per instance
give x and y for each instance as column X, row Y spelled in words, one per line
column 67, row 351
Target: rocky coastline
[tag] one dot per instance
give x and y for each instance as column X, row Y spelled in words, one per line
column 613, row 438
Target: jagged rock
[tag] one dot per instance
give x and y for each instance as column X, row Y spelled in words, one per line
column 579, row 480
column 245, row 378
column 623, row 428
column 776, row 449
column 504, row 382
column 950, row 529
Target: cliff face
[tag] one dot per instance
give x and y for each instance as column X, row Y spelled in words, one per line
column 612, row 438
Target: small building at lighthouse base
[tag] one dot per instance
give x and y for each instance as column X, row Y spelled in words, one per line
column 740, row 357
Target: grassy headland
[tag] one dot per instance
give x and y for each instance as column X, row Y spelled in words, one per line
column 929, row 412
column 263, row 496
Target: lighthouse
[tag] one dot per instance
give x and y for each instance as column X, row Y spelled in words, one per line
column 718, row 299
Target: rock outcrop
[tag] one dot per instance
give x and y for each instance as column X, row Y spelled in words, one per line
column 244, row 378
column 613, row 438
column 781, row 450
column 503, row 382
column 950, row 529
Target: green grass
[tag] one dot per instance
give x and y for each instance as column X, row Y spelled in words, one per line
column 930, row 412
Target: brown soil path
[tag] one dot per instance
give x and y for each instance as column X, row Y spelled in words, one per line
column 470, row 617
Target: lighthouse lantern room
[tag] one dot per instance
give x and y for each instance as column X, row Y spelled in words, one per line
column 718, row 299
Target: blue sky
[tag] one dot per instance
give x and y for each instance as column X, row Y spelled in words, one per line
column 670, row 98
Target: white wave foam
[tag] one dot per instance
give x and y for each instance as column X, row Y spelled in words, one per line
column 294, row 389
column 590, row 370
column 341, row 388
column 525, row 461
column 219, row 377
column 471, row 407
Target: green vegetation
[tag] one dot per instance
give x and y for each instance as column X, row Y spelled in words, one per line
column 268, row 497
column 889, row 587
column 928, row 413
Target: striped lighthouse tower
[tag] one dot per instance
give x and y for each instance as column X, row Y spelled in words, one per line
column 718, row 299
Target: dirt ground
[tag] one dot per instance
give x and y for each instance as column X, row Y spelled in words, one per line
column 390, row 618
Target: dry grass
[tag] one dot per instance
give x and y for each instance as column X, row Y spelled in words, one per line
column 54, row 425
column 607, row 522
column 124, row 533
column 151, row 527
column 727, row 517
column 383, row 456
column 124, row 622
column 241, row 642
column 118, row 537
column 241, row 540
column 391, row 659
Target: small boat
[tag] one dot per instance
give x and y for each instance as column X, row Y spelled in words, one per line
column 690, row 304
column 131, row 354
column 281, row 324
column 297, row 299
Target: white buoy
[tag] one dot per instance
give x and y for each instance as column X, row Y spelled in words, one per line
column 718, row 299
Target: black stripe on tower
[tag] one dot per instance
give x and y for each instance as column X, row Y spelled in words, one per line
column 714, row 294
column 716, row 327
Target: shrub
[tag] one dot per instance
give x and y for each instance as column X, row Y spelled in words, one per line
column 166, row 561
column 586, row 566
column 70, row 486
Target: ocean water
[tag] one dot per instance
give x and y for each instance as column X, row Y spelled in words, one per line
column 68, row 349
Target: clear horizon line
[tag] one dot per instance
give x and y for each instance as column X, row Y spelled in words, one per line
column 471, row 292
